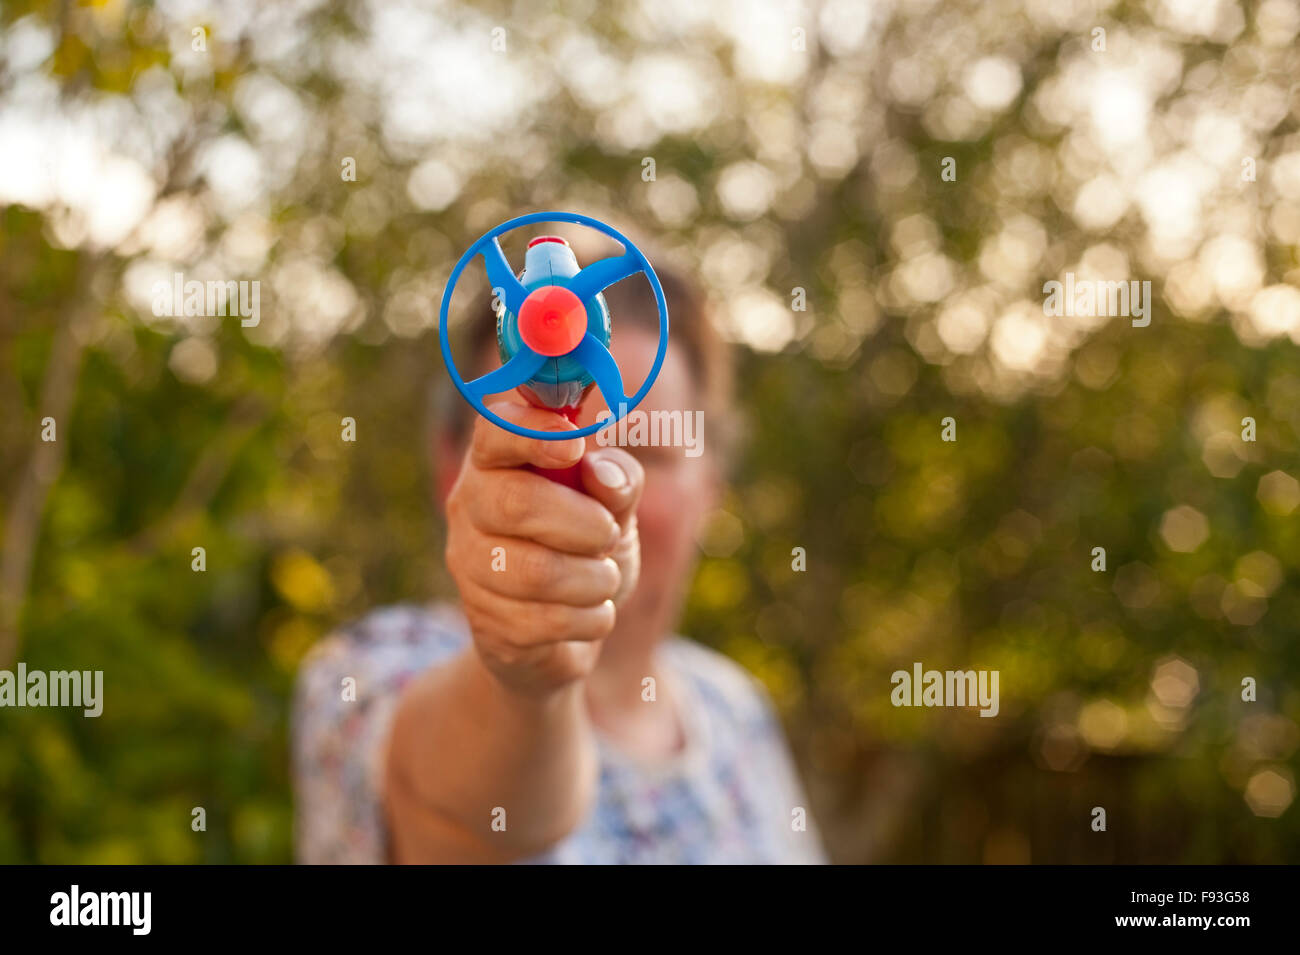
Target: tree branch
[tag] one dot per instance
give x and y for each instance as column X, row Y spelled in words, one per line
column 27, row 507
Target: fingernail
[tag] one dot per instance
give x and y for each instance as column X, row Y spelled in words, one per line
column 609, row 474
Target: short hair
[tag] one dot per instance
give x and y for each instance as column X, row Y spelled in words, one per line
column 630, row 302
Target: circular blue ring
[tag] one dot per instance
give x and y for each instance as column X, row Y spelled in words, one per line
column 477, row 248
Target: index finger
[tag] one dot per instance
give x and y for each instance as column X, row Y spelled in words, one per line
column 495, row 447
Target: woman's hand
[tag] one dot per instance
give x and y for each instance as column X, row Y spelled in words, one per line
column 541, row 568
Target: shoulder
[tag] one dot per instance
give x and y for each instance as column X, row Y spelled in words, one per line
column 746, row 744
column 378, row 653
column 414, row 626
column 395, row 630
column 347, row 688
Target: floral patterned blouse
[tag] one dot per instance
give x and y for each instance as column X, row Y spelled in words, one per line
column 729, row 796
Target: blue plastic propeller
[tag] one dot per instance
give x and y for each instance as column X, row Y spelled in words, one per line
column 590, row 352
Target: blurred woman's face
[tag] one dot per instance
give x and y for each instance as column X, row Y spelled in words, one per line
column 679, row 490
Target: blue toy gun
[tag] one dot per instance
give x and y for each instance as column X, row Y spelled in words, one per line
column 553, row 329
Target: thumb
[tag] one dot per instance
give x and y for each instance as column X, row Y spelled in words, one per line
column 615, row 479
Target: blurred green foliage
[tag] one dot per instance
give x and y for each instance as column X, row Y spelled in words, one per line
column 1120, row 688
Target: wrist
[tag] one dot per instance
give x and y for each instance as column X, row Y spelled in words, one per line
column 529, row 700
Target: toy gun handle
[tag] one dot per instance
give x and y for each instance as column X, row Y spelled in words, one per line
column 570, row 476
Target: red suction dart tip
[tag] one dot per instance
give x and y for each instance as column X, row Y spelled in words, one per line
column 552, row 321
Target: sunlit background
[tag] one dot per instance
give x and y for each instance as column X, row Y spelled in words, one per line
column 794, row 146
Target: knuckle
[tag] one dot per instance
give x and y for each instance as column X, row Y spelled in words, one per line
column 484, row 430
column 573, row 663
column 461, row 549
column 455, row 505
column 451, row 555
column 612, row 533
column 538, row 567
column 513, row 503
column 597, row 533
column 508, row 653
column 554, row 621
column 602, row 619
column 479, row 625
column 592, row 623
column 628, row 548
column 533, row 625
column 612, row 579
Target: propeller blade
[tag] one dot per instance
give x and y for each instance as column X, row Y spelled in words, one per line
column 502, row 276
column 512, row 374
column 603, row 273
column 596, row 358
